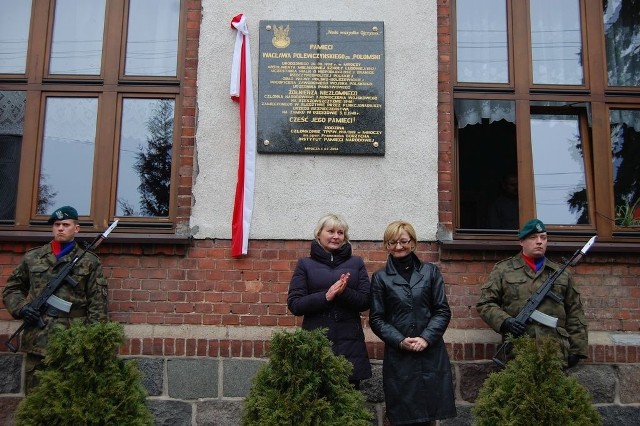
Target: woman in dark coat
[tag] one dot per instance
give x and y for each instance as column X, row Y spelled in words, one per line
column 330, row 288
column 410, row 313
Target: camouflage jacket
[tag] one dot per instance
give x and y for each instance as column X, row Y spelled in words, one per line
column 510, row 285
column 89, row 297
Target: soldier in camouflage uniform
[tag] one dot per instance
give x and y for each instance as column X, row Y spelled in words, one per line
column 89, row 298
column 514, row 280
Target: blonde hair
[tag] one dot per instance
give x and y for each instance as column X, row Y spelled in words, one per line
column 331, row 220
column 395, row 228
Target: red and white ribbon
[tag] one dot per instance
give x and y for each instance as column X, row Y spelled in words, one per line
column 242, row 92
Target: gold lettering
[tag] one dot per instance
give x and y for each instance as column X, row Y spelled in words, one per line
column 321, row 47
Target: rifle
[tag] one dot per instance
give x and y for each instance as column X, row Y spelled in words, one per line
column 530, row 309
column 48, row 298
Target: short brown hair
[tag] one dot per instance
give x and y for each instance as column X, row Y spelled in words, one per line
column 395, row 228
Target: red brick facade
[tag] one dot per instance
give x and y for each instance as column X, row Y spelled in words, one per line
column 200, row 284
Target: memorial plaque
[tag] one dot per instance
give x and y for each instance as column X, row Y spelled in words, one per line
column 321, row 87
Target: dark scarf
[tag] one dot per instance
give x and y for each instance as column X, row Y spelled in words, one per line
column 333, row 258
column 404, row 265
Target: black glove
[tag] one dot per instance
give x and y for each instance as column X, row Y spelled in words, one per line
column 513, row 326
column 29, row 315
column 573, row 360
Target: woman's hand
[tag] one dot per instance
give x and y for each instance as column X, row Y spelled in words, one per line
column 338, row 287
column 415, row 344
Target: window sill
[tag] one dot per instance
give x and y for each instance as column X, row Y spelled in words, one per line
column 120, row 238
column 553, row 246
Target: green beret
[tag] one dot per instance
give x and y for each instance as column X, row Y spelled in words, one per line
column 66, row 212
column 534, row 226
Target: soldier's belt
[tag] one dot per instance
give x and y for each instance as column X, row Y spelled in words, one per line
column 73, row 313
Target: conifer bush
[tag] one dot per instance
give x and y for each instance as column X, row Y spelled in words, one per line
column 533, row 389
column 85, row 383
column 304, row 384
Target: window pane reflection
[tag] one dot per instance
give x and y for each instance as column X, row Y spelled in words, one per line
column 482, row 54
column 14, row 35
column 12, row 104
column 556, row 42
column 152, row 37
column 622, row 39
column 558, row 169
column 144, row 172
column 77, row 37
column 66, row 175
column 487, row 164
column 625, row 153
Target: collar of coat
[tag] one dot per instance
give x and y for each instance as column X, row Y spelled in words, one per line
column 334, row 258
column 391, row 269
column 518, row 262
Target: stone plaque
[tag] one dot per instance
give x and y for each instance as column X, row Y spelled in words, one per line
column 321, row 87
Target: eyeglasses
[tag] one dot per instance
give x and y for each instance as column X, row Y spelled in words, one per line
column 393, row 243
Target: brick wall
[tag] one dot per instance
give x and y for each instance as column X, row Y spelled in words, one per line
column 186, row 151
column 164, row 288
column 445, row 108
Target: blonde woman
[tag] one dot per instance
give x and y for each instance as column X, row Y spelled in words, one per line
column 410, row 313
column 330, row 288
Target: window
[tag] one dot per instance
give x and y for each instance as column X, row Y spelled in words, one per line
column 89, row 95
column 547, row 117
column 14, row 34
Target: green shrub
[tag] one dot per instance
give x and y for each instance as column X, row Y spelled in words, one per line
column 304, row 384
column 85, row 383
column 534, row 390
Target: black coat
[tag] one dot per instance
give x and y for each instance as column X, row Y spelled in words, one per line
column 418, row 386
column 307, row 296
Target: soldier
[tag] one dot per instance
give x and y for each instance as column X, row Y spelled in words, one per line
column 39, row 265
column 515, row 279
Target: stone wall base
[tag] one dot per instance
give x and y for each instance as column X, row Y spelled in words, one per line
column 210, row 391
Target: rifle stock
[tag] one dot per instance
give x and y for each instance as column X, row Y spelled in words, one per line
column 39, row 303
column 536, row 299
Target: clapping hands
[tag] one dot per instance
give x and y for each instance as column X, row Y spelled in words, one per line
column 338, row 287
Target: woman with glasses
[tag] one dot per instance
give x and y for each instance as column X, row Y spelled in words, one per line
column 330, row 288
column 410, row 313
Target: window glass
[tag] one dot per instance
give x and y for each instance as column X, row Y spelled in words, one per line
column 66, row 173
column 482, row 48
column 152, row 37
column 487, row 164
column 558, row 169
column 99, row 144
column 556, row 42
column 622, row 42
column 625, row 152
column 12, row 104
column 78, row 27
column 14, row 35
column 144, row 172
